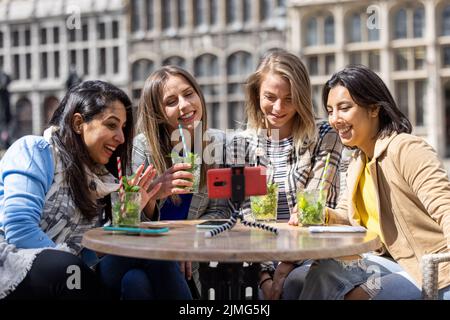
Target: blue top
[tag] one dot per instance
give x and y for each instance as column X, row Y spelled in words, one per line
column 171, row 211
column 26, row 174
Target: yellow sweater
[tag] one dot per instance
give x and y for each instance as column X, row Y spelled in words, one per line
column 366, row 203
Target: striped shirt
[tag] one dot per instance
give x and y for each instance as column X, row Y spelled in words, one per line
column 277, row 154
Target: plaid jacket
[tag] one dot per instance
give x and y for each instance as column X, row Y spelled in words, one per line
column 201, row 206
column 304, row 168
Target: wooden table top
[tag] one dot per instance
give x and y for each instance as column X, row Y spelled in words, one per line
column 184, row 242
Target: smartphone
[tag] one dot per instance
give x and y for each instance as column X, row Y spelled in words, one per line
column 210, row 224
column 219, row 182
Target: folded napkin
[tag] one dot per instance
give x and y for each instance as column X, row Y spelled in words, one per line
column 337, row 229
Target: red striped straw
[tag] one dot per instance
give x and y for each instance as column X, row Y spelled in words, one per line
column 121, row 189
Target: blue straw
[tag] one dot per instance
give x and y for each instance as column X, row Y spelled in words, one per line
column 182, row 139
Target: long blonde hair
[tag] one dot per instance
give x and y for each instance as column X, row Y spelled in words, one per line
column 153, row 122
column 291, row 68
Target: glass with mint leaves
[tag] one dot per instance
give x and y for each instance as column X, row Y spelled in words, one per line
column 264, row 208
column 311, row 205
column 126, row 205
column 194, row 161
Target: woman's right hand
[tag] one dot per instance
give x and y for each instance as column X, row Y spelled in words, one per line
column 173, row 179
column 293, row 219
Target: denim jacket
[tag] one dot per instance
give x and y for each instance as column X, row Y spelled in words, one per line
column 27, row 168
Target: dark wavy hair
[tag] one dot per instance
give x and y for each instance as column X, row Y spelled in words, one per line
column 368, row 90
column 89, row 99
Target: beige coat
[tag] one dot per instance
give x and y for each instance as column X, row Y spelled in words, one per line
column 413, row 193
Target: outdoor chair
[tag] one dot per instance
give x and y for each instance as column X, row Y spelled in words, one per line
column 430, row 274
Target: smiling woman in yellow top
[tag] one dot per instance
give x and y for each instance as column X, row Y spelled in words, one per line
column 396, row 187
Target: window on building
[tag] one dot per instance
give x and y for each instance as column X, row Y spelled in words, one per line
column 329, row 64
column 401, row 59
column 56, row 64
column 355, row 28
column 355, row 58
column 2, row 62
column 50, row 105
column 101, row 31
column 166, row 15
column 73, row 57
column 55, row 35
column 311, row 32
column 84, row 32
column 446, row 56
column 316, row 96
column 1, row 39
column 247, row 13
column 135, row 15
column 400, row 24
column 409, row 22
column 409, row 58
column 374, row 60
column 401, row 89
column 313, row 65
column 28, row 65
column 43, row 36
column 206, row 65
column 419, row 58
column 410, row 97
column 420, row 93
column 418, row 22
column 102, row 61
column 176, row 61
column 213, row 12
column 24, row 117
column 265, row 7
column 116, row 59
column 236, row 117
column 115, row 29
column 150, row 14
column 72, row 35
column 329, row 30
column 445, row 29
column 199, row 12
column 27, row 37
column 182, row 13
column 141, row 69
column 231, row 11
column 213, row 115
column 239, row 63
column 15, row 38
column 44, row 65
column 86, row 61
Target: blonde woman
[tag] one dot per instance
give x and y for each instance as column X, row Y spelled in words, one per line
column 282, row 134
column 171, row 98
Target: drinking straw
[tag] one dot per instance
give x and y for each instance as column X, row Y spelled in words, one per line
column 121, row 188
column 324, row 174
column 182, row 139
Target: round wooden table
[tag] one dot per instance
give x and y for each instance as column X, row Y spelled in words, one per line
column 229, row 280
column 185, row 242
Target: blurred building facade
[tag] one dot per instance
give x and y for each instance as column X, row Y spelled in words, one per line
column 40, row 39
column 220, row 42
column 406, row 42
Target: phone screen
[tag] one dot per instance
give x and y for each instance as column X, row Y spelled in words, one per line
column 211, row 224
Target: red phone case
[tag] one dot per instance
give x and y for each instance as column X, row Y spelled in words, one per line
column 219, row 182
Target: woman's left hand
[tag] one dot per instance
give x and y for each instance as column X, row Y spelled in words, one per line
column 144, row 180
column 281, row 272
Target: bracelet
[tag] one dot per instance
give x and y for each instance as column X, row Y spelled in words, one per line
column 262, row 282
